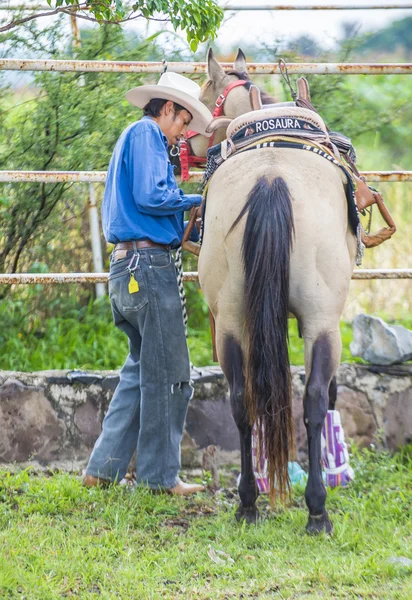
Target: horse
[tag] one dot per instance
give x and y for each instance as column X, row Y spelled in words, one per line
column 277, row 242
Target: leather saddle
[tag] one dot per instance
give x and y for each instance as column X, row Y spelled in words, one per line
column 274, row 119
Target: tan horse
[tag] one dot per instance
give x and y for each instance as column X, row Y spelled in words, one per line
column 276, row 240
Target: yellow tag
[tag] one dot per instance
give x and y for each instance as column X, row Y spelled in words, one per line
column 133, row 284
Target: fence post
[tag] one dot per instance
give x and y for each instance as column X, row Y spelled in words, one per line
column 95, row 239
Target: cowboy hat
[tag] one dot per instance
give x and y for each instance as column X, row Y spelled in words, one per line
column 179, row 89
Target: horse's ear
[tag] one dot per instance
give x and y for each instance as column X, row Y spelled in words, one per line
column 254, row 97
column 303, row 89
column 240, row 62
column 214, row 70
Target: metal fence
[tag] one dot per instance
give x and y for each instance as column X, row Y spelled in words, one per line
column 188, row 68
column 54, row 278
column 194, row 176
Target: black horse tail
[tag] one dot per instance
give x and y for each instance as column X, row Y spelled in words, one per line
column 266, row 249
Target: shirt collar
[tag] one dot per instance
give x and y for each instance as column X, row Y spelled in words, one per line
column 157, row 124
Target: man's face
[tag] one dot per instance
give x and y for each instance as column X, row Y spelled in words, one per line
column 174, row 124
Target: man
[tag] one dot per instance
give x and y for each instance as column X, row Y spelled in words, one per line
column 143, row 216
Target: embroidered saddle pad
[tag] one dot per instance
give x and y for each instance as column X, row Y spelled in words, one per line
column 279, row 120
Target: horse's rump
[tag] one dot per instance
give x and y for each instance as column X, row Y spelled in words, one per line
column 251, row 280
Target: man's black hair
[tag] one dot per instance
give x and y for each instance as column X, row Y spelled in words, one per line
column 153, row 108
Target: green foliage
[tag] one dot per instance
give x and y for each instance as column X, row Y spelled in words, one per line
column 63, row 335
column 397, row 37
column 60, row 540
column 57, row 329
column 69, row 122
column 361, row 106
column 200, row 19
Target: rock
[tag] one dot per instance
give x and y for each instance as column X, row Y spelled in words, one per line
column 87, row 419
column 30, row 427
column 380, row 343
column 189, row 455
column 46, row 418
column 209, row 463
column 357, row 416
column 210, row 422
column 403, row 561
column 398, row 419
column 84, row 377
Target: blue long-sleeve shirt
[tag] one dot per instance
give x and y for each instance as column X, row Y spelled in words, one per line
column 141, row 198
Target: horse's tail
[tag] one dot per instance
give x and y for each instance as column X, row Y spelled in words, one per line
column 266, row 252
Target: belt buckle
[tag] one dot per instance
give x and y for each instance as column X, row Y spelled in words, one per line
column 220, row 101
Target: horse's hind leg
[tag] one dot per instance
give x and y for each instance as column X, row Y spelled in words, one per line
column 322, row 355
column 232, row 365
column 333, row 393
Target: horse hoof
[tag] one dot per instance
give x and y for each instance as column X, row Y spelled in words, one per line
column 318, row 524
column 249, row 514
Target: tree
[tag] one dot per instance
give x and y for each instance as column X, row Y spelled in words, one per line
column 394, row 38
column 200, row 19
column 304, row 45
column 65, row 121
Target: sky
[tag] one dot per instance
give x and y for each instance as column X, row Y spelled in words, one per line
column 325, row 26
column 268, row 26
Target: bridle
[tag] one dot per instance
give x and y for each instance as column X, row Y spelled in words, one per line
column 186, row 157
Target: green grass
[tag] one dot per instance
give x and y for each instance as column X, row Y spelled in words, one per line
column 84, row 337
column 59, row 540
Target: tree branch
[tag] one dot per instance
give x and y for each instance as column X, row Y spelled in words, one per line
column 67, row 11
column 113, row 21
column 49, row 13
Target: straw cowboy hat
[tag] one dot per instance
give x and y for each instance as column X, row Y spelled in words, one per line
column 179, row 89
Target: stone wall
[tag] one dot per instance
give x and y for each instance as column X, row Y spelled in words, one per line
column 52, row 418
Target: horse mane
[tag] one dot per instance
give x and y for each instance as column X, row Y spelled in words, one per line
column 243, row 76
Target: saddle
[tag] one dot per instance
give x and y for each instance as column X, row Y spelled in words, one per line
column 299, row 122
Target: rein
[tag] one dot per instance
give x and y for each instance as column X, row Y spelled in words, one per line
column 186, row 157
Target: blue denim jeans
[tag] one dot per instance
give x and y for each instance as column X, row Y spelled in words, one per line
column 149, row 406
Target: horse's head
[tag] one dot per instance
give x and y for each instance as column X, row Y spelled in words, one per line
column 237, row 101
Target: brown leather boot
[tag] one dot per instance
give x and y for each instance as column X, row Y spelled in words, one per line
column 185, row 489
column 90, row 481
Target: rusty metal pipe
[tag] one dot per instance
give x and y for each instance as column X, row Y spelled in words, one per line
column 102, row 66
column 52, row 176
column 100, row 176
column 54, row 278
column 382, row 274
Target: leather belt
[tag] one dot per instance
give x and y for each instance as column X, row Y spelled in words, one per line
column 140, row 244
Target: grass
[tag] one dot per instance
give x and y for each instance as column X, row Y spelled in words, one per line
column 59, row 540
column 84, row 337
